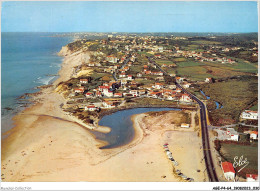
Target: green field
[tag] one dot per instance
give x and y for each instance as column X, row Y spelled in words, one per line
column 194, row 47
column 194, row 72
column 245, row 67
column 161, row 62
column 189, row 63
column 254, row 108
column 181, row 59
column 136, row 68
column 235, row 96
column 145, row 53
column 205, row 42
column 229, row 151
column 240, row 66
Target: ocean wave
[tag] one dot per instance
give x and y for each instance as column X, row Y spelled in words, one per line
column 46, row 80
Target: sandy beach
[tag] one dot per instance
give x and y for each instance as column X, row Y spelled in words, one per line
column 47, row 144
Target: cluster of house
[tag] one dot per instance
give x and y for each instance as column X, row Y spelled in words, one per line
column 119, row 89
column 199, row 56
column 228, row 134
column 230, row 173
column 158, row 90
column 231, row 134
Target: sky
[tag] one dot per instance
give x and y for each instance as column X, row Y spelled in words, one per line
column 126, row 16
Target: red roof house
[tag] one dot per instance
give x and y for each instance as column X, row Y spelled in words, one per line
column 228, row 170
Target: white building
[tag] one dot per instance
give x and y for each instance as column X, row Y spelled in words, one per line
column 139, row 75
column 247, row 114
column 186, row 85
column 251, row 177
column 122, row 75
column 185, row 98
column 90, row 108
column 83, row 81
column 160, row 49
column 185, row 125
column 228, row 170
column 108, row 93
column 111, row 59
column 233, row 135
column 254, row 135
column 208, row 80
column 108, row 104
column 158, row 86
column 229, row 134
column 129, row 77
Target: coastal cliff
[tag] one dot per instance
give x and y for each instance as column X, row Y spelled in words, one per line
column 65, row 51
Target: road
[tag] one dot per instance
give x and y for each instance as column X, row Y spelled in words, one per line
column 204, row 131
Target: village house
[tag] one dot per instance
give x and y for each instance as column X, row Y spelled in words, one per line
column 228, row 170
column 185, row 125
column 79, row 90
column 253, row 134
column 118, row 95
column 179, row 79
column 91, row 108
column 142, row 92
column 139, row 75
column 252, row 177
column 83, row 81
column 108, row 93
column 160, row 49
column 208, row 80
column 172, row 86
column 164, row 65
column 186, row 85
column 233, row 135
column 108, row 104
column 98, row 94
column 160, row 78
column 134, row 93
column 154, row 94
column 157, row 56
column 91, row 64
column 185, row 98
column 228, row 134
column 130, row 77
column 248, row 114
column 111, row 59
column 178, row 90
column 148, row 72
column 158, row 86
column 89, row 94
column 103, row 88
column 122, row 75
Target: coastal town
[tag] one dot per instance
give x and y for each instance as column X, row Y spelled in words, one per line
column 197, row 79
column 142, row 71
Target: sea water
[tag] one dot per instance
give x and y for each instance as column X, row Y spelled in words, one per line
column 28, row 60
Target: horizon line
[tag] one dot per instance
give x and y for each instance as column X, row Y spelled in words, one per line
column 110, row 32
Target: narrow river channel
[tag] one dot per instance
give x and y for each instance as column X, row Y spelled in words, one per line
column 122, row 131
column 217, row 103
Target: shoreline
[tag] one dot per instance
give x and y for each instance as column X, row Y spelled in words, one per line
column 49, row 144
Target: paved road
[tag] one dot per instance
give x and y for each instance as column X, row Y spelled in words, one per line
column 204, row 131
column 205, row 137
